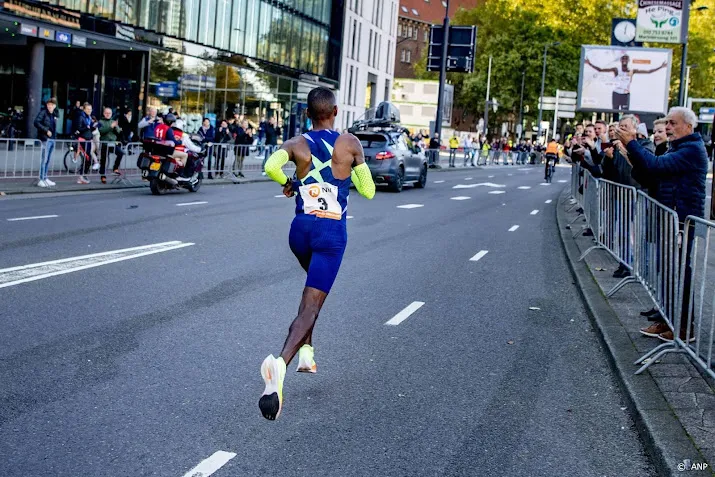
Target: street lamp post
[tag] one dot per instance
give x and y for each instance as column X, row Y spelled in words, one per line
column 442, row 73
column 543, row 81
column 521, row 106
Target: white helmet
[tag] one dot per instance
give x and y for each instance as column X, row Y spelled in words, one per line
column 179, row 124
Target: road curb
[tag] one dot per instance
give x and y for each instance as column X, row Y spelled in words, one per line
column 664, row 438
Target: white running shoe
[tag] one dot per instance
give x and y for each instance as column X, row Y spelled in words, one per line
column 82, row 180
column 50, row 183
column 273, row 372
column 306, row 363
column 42, row 184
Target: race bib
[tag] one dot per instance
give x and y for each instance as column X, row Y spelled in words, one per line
column 321, row 199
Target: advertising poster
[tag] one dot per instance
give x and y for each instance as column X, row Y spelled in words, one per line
column 617, row 79
column 660, row 21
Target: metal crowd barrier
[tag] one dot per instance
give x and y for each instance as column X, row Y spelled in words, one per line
column 231, row 160
column 694, row 337
column 676, row 268
column 22, row 159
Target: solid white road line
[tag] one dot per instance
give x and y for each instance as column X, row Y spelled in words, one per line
column 350, row 217
column 545, row 183
column 37, row 271
column 535, row 211
column 33, row 218
column 490, row 177
column 404, row 314
column 467, row 178
column 410, row 206
column 278, row 196
column 479, row 255
column 438, row 182
column 548, row 201
column 210, row 465
column 563, row 181
column 497, row 192
column 524, row 187
column 192, row 203
column 513, row 228
column 461, row 197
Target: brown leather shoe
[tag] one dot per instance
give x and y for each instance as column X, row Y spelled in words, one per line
column 655, row 330
column 668, row 337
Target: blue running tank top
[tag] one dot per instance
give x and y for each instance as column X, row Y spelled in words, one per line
column 319, row 193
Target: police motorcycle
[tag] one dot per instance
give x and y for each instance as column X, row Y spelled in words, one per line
column 160, row 169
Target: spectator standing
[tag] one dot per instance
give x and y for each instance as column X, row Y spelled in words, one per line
column 207, row 133
column 149, row 123
column 224, row 137
column 86, row 126
column 46, row 124
column 453, row 146
column 682, row 172
column 109, row 134
column 434, row 146
column 244, row 139
column 271, row 132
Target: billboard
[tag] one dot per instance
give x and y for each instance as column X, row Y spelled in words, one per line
column 617, row 79
column 660, row 21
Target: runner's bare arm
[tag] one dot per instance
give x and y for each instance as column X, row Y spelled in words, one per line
column 665, row 63
column 601, row 70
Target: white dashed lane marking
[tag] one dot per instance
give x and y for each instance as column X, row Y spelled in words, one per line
column 548, row 201
column 410, row 206
column 563, row 181
column 350, row 217
column 191, row 203
column 461, row 197
column 210, row 465
column 438, row 182
column 404, row 314
column 497, row 192
column 524, row 187
column 535, row 211
column 513, row 228
column 479, row 255
column 37, row 217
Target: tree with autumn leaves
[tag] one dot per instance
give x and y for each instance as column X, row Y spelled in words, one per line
column 514, row 33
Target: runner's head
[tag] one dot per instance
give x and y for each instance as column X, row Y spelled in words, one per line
column 321, row 105
column 624, row 62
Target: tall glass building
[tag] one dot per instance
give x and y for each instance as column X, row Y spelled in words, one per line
column 203, row 58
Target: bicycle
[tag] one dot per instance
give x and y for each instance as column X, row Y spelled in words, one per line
column 550, row 169
column 75, row 158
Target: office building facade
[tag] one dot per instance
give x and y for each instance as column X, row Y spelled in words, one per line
column 203, row 58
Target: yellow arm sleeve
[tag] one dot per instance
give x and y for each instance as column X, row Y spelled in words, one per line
column 274, row 166
column 362, row 178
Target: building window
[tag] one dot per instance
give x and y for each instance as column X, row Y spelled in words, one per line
column 409, row 31
column 417, row 30
column 352, row 55
column 409, row 57
column 350, row 86
column 426, row 36
column 399, row 29
column 403, row 55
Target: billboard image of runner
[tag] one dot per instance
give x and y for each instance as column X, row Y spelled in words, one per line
column 618, row 79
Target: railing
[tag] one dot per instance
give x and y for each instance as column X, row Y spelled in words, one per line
column 677, row 269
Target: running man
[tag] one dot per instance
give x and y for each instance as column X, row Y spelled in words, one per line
column 621, row 96
column 327, row 164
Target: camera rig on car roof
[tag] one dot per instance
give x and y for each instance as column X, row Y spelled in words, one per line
column 385, row 117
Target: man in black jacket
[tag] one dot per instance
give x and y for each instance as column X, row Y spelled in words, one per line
column 682, row 175
column 46, row 124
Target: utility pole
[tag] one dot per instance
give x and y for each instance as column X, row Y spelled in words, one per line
column 684, row 59
column 543, row 81
column 442, row 73
column 486, row 102
column 521, row 106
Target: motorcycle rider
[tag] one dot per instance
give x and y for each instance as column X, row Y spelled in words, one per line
column 186, row 143
column 164, row 132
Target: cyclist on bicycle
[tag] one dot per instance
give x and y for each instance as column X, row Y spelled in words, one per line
column 552, row 154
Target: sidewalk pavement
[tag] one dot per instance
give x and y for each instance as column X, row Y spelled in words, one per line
column 672, row 402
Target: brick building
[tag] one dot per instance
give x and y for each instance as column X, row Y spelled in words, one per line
column 413, row 27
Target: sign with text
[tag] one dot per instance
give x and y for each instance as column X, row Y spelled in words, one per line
column 660, row 20
column 460, row 52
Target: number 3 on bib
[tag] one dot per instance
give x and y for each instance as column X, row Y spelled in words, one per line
column 321, row 200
